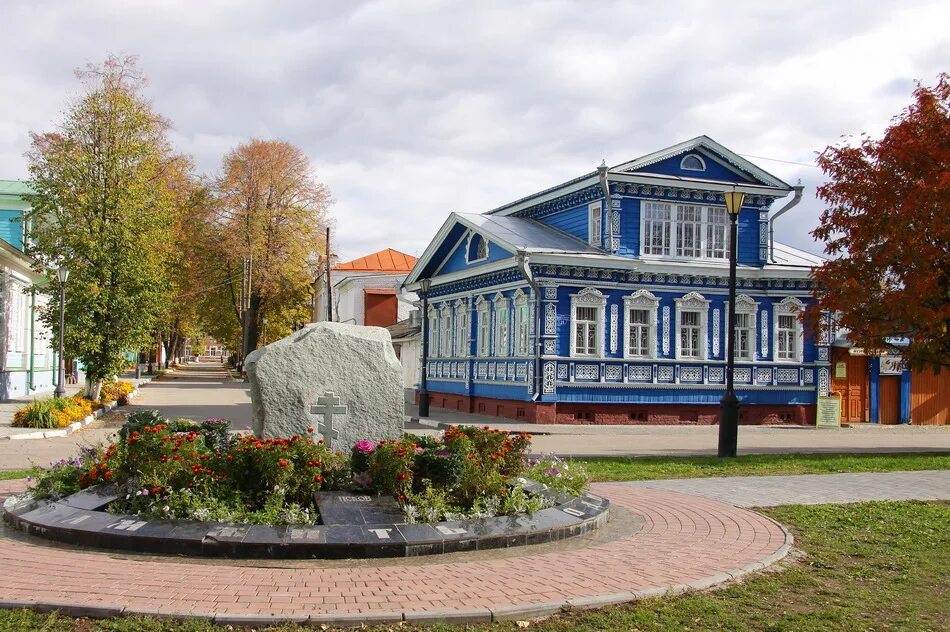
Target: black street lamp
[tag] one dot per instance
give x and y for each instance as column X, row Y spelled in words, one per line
column 424, row 285
column 62, row 274
column 729, row 404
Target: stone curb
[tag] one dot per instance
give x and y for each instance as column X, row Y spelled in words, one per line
column 465, row 616
column 76, row 426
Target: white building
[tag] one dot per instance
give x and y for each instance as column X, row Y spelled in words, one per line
column 367, row 291
column 28, row 363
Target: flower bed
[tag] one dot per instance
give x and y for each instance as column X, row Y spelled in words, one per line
column 181, row 469
column 59, row 412
column 55, row 412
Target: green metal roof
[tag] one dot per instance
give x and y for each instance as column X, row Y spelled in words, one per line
column 15, row 187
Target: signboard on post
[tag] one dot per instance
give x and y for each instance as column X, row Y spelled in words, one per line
column 828, row 411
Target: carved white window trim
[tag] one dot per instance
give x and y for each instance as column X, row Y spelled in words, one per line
column 789, row 306
column 692, row 302
column 446, row 337
column 595, row 224
column 432, row 330
column 521, row 338
column 502, row 332
column 461, row 329
column 641, row 299
column 589, row 297
column 483, row 327
column 745, row 304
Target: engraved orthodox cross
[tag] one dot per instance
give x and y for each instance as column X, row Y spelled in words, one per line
column 328, row 405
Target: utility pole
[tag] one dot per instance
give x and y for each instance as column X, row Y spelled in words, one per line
column 329, row 281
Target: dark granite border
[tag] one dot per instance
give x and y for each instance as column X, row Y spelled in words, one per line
column 80, row 520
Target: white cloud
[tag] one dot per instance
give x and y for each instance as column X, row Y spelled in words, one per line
column 411, row 109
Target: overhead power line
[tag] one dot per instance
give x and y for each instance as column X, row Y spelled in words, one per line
column 788, row 162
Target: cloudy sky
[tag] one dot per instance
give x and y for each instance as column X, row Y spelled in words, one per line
column 410, row 109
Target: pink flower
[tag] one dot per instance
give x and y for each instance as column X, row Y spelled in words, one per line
column 365, row 446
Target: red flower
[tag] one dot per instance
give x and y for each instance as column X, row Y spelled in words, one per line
column 164, row 458
column 403, row 476
column 317, row 479
column 108, row 474
column 282, row 462
column 309, row 428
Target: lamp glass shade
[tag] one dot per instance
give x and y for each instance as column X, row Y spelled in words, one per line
column 62, row 274
column 425, row 284
column 734, row 201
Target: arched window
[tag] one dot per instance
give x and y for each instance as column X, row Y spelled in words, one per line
column 477, row 248
column 692, row 162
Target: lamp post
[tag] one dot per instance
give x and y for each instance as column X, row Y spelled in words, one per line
column 729, row 404
column 62, row 274
column 424, row 285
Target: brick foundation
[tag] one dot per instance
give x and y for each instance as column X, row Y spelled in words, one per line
column 621, row 414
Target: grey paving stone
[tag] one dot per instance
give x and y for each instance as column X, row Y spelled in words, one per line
column 813, row 489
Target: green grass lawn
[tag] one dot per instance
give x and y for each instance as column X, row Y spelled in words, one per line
column 7, row 475
column 652, row 467
column 869, row 566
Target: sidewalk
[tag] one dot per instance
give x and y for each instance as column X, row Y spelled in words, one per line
column 9, row 408
column 644, row 440
column 811, row 489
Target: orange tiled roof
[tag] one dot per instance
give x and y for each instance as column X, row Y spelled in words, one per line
column 388, row 260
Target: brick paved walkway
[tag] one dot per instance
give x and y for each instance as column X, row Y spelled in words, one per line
column 812, row 489
column 685, row 542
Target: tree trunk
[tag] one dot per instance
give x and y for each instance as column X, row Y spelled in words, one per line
column 93, row 388
column 253, row 332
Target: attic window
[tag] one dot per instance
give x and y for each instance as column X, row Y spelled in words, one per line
column 692, row 162
column 477, row 248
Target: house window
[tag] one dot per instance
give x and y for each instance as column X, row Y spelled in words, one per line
column 522, row 324
column 639, row 324
column 477, row 248
column 484, row 328
column 689, row 229
column 587, row 323
column 502, row 318
column 432, row 328
column 640, row 332
column 594, row 226
column 656, row 228
column 445, row 337
column 692, row 162
column 715, row 232
column 461, row 330
column 691, row 317
column 744, row 340
column 689, row 334
column 787, row 338
column 585, row 330
column 684, row 230
column 745, row 336
column 788, row 330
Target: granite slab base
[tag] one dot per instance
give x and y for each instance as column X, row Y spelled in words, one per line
column 355, row 526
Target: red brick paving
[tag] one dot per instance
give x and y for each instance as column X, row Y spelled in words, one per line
column 684, row 539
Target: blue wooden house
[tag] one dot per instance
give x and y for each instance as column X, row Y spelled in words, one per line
column 604, row 299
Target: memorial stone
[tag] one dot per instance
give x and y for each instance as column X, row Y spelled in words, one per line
column 342, row 380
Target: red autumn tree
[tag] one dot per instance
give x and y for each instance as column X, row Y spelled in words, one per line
column 887, row 228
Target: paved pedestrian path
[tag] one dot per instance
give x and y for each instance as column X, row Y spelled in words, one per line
column 811, row 489
column 664, row 537
column 660, row 541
